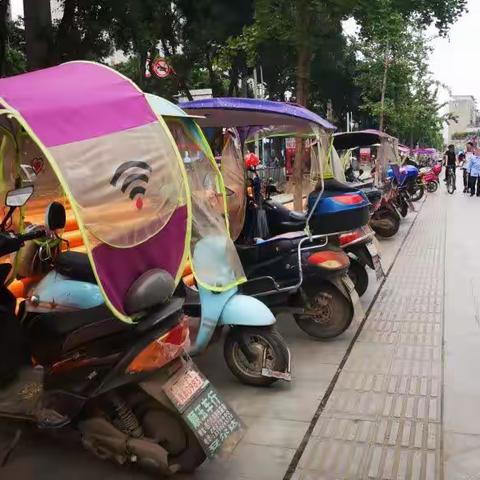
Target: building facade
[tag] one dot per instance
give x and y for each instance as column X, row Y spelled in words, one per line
column 464, row 108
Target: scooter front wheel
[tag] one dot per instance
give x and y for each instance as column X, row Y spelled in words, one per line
column 432, row 187
column 329, row 314
column 246, row 348
column 385, row 223
column 416, row 192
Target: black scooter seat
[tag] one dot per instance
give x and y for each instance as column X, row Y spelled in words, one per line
column 373, row 194
column 333, row 185
column 56, row 333
column 270, row 249
column 75, row 265
column 297, row 216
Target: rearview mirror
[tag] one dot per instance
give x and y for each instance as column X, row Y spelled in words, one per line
column 55, row 217
column 18, row 197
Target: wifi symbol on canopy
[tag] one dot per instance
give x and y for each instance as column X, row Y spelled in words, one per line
column 136, row 176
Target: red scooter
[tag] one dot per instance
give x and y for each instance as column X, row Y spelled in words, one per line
column 430, row 177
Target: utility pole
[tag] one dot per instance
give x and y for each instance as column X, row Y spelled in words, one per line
column 256, row 95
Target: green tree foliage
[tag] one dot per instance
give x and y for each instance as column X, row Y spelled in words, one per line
column 299, row 44
column 397, row 90
column 15, row 58
column 82, row 31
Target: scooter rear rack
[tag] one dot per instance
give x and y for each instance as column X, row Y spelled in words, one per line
column 292, row 288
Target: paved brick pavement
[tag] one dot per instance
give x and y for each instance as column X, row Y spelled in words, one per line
column 383, row 418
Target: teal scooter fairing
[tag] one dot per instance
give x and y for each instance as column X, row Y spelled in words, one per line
column 64, row 294
column 243, row 314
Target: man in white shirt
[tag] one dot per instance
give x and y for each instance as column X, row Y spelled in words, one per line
column 466, row 165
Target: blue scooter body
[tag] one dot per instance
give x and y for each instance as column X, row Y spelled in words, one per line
column 404, row 175
column 228, row 309
column 335, row 212
column 56, row 291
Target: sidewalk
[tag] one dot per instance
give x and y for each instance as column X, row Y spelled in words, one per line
column 390, row 404
column 383, row 417
column 462, row 340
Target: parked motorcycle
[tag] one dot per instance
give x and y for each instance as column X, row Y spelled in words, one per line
column 254, row 349
column 406, row 179
column 358, row 243
column 96, row 340
column 96, row 373
column 386, row 219
column 430, row 177
column 297, row 273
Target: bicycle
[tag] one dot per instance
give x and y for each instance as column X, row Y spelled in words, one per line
column 451, row 180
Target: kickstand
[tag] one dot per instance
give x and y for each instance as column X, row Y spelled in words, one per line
column 8, row 450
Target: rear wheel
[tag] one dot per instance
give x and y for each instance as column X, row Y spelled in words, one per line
column 385, row 223
column 169, row 431
column 359, row 276
column 244, row 351
column 134, row 414
column 416, row 191
column 432, row 187
column 328, row 314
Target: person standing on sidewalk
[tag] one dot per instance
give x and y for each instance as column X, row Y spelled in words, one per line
column 466, row 166
column 474, row 173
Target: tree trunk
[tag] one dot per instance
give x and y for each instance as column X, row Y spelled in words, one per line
column 4, row 4
column 304, row 62
column 381, row 121
column 67, row 40
column 232, row 82
column 214, row 83
column 38, row 33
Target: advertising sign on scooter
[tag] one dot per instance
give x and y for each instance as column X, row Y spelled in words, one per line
column 350, row 286
column 212, row 421
column 377, row 263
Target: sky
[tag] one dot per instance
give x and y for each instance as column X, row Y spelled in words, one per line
column 455, row 59
column 453, row 62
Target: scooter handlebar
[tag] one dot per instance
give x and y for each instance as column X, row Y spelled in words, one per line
column 37, row 233
column 11, row 243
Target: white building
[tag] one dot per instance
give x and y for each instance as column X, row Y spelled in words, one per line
column 464, row 108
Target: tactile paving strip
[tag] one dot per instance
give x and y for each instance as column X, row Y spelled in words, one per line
column 383, row 418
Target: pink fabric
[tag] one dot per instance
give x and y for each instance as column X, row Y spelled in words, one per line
column 76, row 101
column 118, row 268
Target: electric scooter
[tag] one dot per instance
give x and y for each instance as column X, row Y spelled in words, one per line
column 406, row 178
column 430, row 177
column 286, row 272
column 86, row 369
column 358, row 244
column 385, row 220
column 254, row 350
column 305, row 276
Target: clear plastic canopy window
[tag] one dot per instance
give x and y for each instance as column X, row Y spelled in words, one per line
column 324, row 163
column 215, row 261
column 86, row 135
